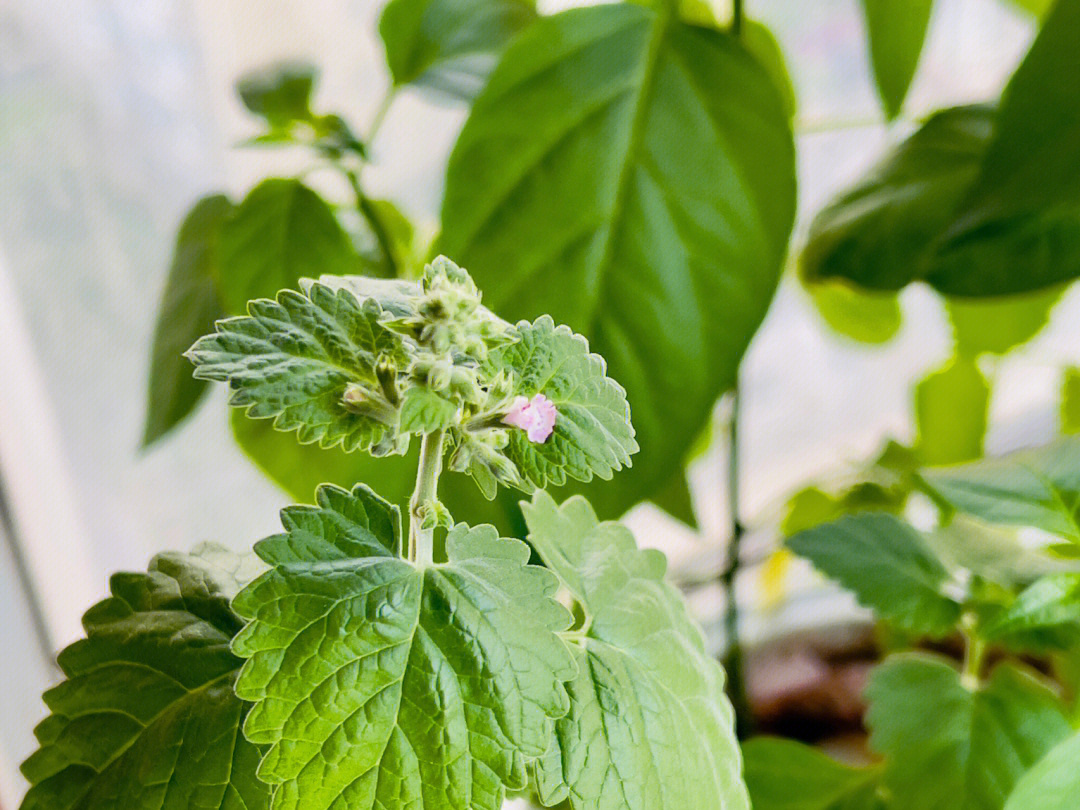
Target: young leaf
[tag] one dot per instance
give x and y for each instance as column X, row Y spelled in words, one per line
column 1018, row 227
column 1070, row 401
column 887, row 565
column 280, row 93
column 380, row 684
column 449, row 45
column 1038, row 487
column 997, row 325
column 1054, row 782
column 649, row 726
column 189, row 307
column 632, row 176
column 1045, row 614
column 424, row 411
column 147, row 717
column 879, row 233
column 783, row 774
column 863, row 316
column 293, row 360
column 592, row 434
column 951, row 406
column 282, row 232
column 897, row 30
column 952, row 748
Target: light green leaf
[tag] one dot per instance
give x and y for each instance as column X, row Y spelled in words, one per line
column 633, row 176
column 189, row 307
column 997, row 325
column 897, row 30
column 887, row 565
column 282, row 232
column 146, row 717
column 1038, row 487
column 1018, row 227
column 879, row 234
column 292, row 360
column 649, row 726
column 862, row 316
column 593, row 434
column 424, row 411
column 449, row 45
column 380, row 684
column 1070, row 401
column 1036, row 7
column 951, row 748
column 783, row 774
column 1045, row 614
column 951, row 406
column 1054, row 782
column 760, row 41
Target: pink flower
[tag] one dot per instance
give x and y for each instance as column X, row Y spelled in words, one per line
column 535, row 416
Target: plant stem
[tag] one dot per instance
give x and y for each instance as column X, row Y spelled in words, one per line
column 736, row 17
column 380, row 115
column 378, row 227
column 421, row 541
column 733, row 659
column 974, row 651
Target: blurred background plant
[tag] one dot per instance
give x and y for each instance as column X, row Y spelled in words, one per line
column 631, row 169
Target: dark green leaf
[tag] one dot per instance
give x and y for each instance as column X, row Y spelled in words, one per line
column 282, row 232
column 189, row 307
column 951, row 406
column 649, row 726
column 1018, row 227
column 997, row 325
column 897, row 30
column 449, row 45
column 292, row 360
column 147, row 718
column 632, row 176
column 1054, row 782
column 380, row 684
column 1039, row 487
column 888, row 566
column 880, row 233
column 950, row 747
column 280, row 93
column 787, row 775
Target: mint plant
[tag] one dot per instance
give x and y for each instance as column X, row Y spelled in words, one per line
column 354, row 662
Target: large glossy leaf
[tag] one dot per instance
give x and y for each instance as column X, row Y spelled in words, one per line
column 784, row 774
column 189, row 307
column 649, row 726
column 1038, row 487
column 282, row 232
column 632, row 176
column 879, row 234
column 146, row 718
column 1018, row 227
column 897, row 30
column 889, row 567
column 380, row 684
column 1054, row 782
column 449, row 45
column 954, row 748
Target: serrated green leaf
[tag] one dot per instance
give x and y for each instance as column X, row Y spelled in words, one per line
column 649, row 726
column 380, row 684
column 424, row 411
column 1038, row 487
column 147, row 718
column 1046, row 614
column 951, row 407
column 887, row 565
column 449, row 45
column 784, row 774
column 951, row 748
column 632, row 176
column 1070, row 401
column 997, row 325
column 189, row 307
column 897, row 30
column 593, row 434
column 280, row 93
column 293, row 358
column 1054, row 782
column 282, row 232
column 1018, row 226
column 862, row 316
column 879, row 234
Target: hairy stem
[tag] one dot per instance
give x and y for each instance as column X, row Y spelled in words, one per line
column 421, row 540
column 733, row 659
